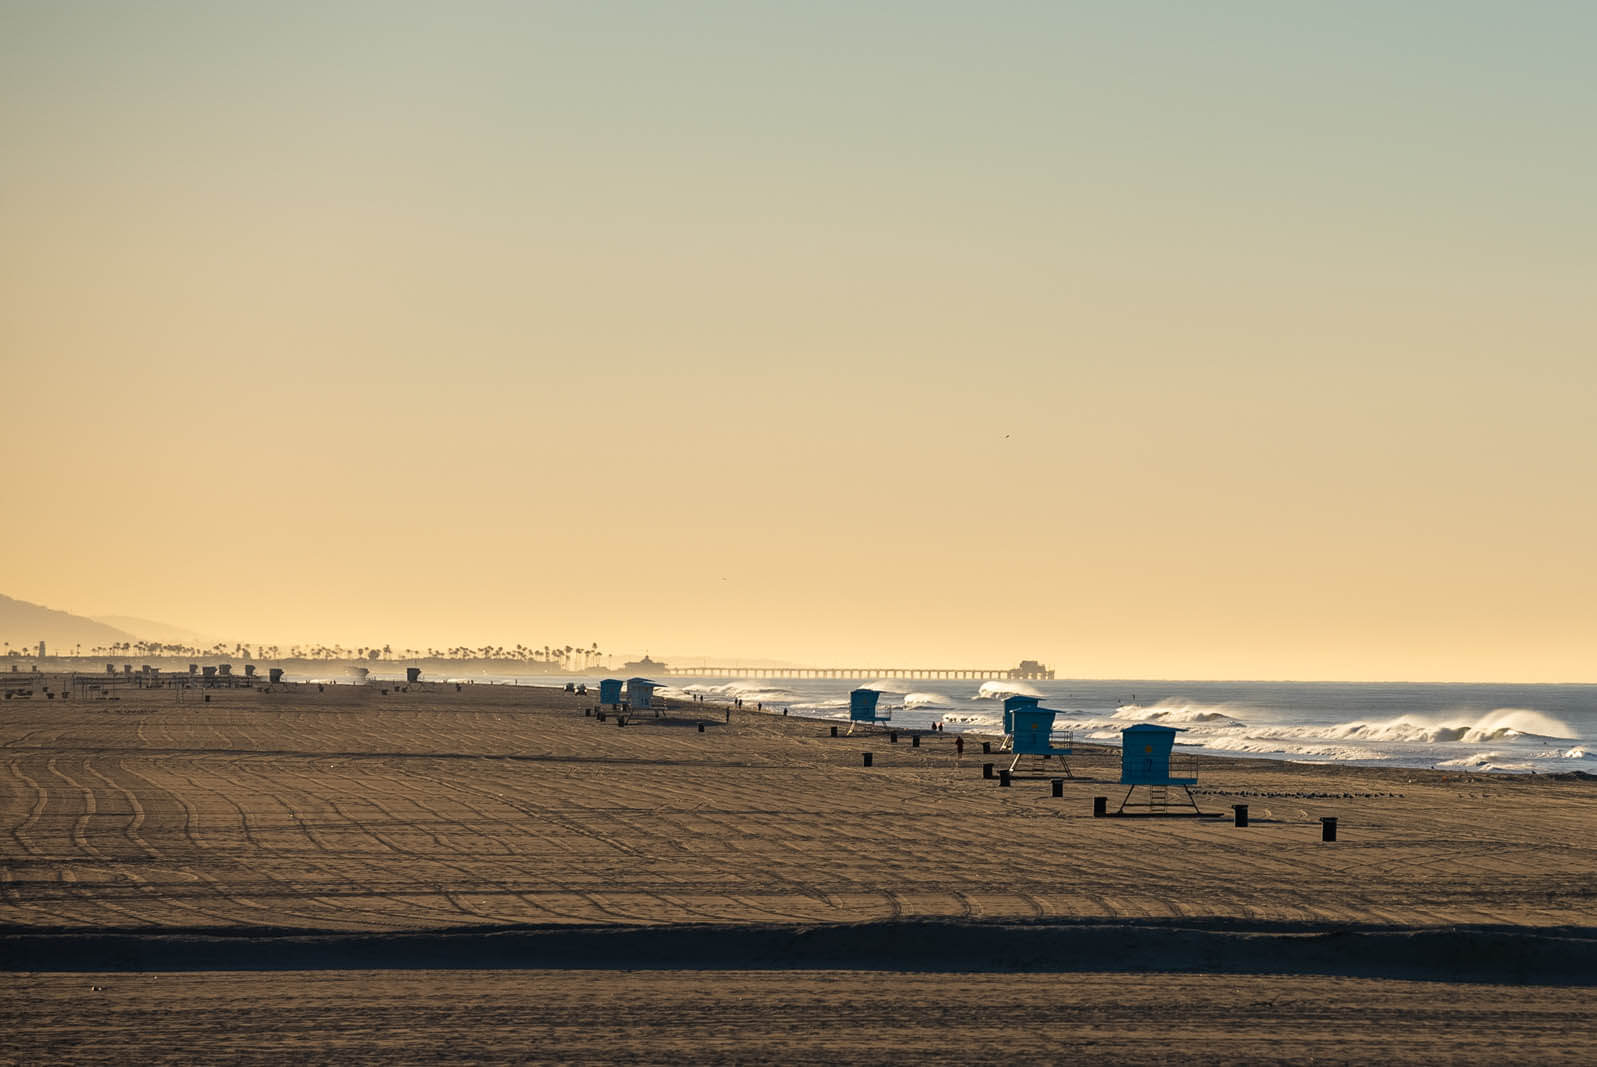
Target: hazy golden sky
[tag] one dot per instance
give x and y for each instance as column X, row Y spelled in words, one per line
column 1148, row 339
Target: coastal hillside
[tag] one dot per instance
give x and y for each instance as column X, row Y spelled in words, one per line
column 24, row 625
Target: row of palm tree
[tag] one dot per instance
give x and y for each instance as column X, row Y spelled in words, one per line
column 566, row 657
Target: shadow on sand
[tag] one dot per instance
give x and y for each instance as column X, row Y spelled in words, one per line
column 1497, row 954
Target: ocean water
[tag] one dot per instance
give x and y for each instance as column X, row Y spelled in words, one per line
column 1522, row 728
column 1540, row 728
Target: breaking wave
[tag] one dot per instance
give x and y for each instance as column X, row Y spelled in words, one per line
column 1000, row 690
column 1173, row 711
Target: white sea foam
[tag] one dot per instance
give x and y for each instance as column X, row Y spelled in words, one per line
column 1000, row 690
column 756, row 691
column 1167, row 712
column 1502, row 724
column 927, row 701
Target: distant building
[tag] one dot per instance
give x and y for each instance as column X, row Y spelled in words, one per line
column 1031, row 670
column 41, row 649
column 644, row 666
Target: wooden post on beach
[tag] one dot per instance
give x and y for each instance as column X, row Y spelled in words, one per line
column 914, row 740
column 867, row 760
column 1059, row 787
column 1003, row 777
column 893, row 737
column 986, row 748
column 986, row 770
column 701, row 727
column 1241, row 814
column 1100, row 807
column 834, row 731
column 1327, row 827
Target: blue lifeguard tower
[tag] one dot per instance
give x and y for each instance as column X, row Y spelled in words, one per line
column 1010, row 704
column 1034, row 736
column 640, row 695
column 610, row 691
column 1145, row 760
column 862, row 708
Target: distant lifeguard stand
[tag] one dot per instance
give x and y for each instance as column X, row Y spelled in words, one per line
column 640, row 695
column 1145, row 760
column 862, row 708
column 610, row 691
column 1011, row 703
column 1034, row 736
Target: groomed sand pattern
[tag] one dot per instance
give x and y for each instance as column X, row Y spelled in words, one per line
column 349, row 810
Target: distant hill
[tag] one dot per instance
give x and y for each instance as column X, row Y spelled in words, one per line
column 24, row 625
column 151, row 630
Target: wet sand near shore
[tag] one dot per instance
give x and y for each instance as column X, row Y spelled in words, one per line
column 349, row 812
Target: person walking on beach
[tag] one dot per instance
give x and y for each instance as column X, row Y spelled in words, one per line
column 959, row 746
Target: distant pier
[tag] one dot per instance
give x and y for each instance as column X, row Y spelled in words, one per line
column 1013, row 674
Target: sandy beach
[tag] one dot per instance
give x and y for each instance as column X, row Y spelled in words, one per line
column 493, row 862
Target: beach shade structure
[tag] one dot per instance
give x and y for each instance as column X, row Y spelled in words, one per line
column 274, row 675
column 862, row 708
column 1146, row 760
column 640, row 694
column 1010, row 704
column 1034, row 736
column 412, row 675
column 610, row 691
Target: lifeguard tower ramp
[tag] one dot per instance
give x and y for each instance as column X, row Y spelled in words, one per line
column 610, row 691
column 862, row 708
column 1034, row 736
column 1146, row 761
column 1011, row 703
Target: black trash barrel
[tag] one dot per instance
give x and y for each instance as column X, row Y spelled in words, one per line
column 1003, row 777
column 893, row 737
column 1242, row 813
column 865, row 759
column 914, row 740
column 1100, row 807
column 987, row 748
column 1059, row 787
column 1328, row 828
column 834, row 731
column 701, row 727
column 986, row 770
